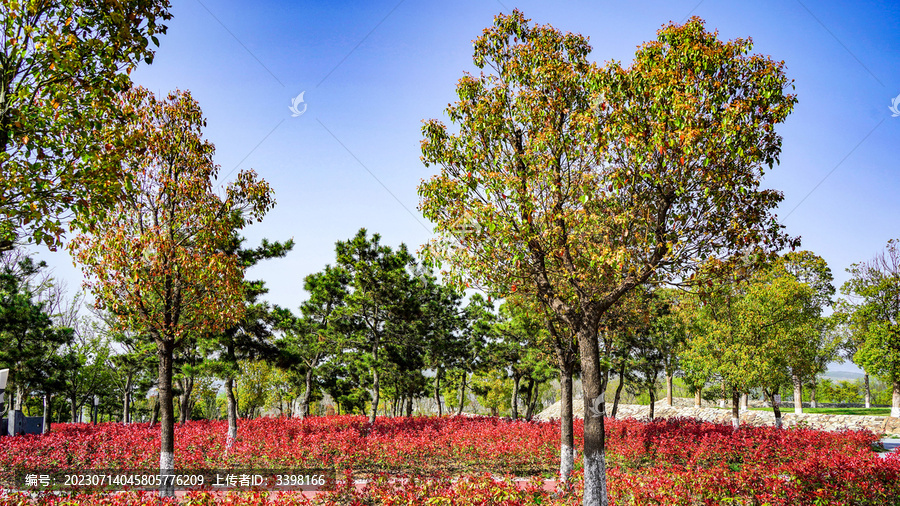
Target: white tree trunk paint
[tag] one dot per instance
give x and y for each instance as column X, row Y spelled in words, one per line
column 566, row 462
column 735, row 422
column 231, row 436
column 166, row 466
column 595, row 480
column 895, row 411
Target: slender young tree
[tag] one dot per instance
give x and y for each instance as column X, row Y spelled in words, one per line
column 159, row 261
column 586, row 183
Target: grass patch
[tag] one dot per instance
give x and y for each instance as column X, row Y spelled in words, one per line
column 787, row 409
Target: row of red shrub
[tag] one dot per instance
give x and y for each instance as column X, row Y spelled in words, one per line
column 662, row 462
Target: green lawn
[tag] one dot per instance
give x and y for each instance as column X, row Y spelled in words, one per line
column 832, row 411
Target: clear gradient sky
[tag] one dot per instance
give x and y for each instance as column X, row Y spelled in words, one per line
column 372, row 71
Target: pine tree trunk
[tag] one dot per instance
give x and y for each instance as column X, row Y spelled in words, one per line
column 529, row 396
column 230, row 412
column 515, row 397
column 532, row 406
column 165, row 351
column 462, row 394
column 437, row 390
column 377, row 387
column 594, row 436
column 184, row 410
column 126, row 399
column 154, row 413
column 798, row 393
column 618, row 394
column 307, row 392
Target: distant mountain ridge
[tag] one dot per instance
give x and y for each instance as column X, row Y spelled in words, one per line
column 842, row 375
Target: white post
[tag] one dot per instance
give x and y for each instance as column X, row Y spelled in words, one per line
column 4, row 374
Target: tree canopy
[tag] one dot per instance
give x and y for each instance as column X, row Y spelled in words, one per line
column 62, row 65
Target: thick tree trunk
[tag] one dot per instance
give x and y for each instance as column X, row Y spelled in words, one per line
column 798, row 393
column 868, row 392
column 409, row 407
column 46, row 413
column 745, row 401
column 230, row 412
column 895, row 399
column 515, row 397
column 735, row 409
column 698, row 397
column 165, row 351
column 594, row 435
column 670, row 380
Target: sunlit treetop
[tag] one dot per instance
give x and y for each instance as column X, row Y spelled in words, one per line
column 577, row 180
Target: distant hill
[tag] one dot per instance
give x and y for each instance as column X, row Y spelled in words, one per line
column 842, row 375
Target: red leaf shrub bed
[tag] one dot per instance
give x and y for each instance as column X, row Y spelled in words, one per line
column 445, row 461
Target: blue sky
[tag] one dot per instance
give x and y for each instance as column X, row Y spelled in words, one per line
column 372, row 71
